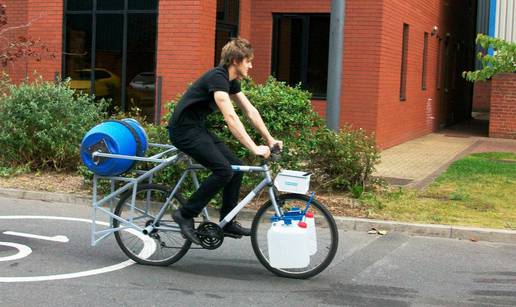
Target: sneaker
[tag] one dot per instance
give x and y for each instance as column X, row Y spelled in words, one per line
column 187, row 226
column 236, row 230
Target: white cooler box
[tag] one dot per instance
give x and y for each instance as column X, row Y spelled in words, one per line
column 292, row 181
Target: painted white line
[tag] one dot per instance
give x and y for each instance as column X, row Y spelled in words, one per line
column 147, row 251
column 62, row 239
column 23, row 251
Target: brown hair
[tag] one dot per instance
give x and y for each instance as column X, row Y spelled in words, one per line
column 237, row 49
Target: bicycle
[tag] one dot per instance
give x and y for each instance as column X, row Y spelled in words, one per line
column 150, row 207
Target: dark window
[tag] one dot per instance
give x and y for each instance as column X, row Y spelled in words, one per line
column 110, row 4
column 227, row 24
column 77, row 54
column 100, row 74
column 425, row 56
column 300, row 50
column 79, row 5
column 114, row 48
column 404, row 55
column 143, row 4
column 81, row 75
column 439, row 61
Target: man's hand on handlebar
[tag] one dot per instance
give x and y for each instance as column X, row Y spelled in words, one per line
column 275, row 144
column 263, row 151
column 274, row 147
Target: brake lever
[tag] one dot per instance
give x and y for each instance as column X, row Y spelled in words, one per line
column 275, row 153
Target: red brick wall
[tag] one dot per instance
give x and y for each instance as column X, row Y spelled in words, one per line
column 16, row 16
column 319, row 107
column 186, row 40
column 16, row 11
column 482, row 95
column 245, row 19
column 44, row 20
column 502, row 119
column 361, row 64
column 372, row 61
column 47, row 26
column 261, row 28
column 261, row 33
column 399, row 121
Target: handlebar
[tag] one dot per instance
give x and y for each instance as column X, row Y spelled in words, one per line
column 275, row 155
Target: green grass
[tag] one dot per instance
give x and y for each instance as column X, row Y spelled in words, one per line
column 478, row 190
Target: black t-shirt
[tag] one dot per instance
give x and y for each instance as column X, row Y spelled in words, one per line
column 198, row 101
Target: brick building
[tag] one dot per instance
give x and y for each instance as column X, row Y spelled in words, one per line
column 401, row 70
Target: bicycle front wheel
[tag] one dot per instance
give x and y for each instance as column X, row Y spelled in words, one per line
column 326, row 229
column 164, row 245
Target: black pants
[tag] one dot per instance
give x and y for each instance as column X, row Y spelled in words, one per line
column 209, row 151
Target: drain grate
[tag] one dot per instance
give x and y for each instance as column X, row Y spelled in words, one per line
column 397, row 181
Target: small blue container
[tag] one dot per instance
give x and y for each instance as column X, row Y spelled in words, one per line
column 294, row 214
column 125, row 137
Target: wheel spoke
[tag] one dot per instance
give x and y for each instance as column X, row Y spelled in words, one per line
column 169, row 243
column 326, row 234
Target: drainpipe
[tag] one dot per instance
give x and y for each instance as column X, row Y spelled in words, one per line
column 482, row 26
column 338, row 8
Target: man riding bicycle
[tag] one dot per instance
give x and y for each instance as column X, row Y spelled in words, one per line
column 216, row 89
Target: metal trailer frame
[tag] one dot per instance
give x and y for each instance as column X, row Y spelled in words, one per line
column 167, row 156
column 176, row 156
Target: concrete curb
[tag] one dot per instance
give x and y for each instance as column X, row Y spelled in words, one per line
column 343, row 223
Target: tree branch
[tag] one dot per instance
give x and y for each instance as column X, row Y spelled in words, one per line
column 3, row 31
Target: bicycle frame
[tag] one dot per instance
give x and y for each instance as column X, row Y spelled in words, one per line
column 162, row 162
column 193, row 168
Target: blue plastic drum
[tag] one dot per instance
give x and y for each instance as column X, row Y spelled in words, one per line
column 125, row 137
column 141, row 134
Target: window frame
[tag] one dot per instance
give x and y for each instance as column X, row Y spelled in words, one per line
column 425, row 62
column 125, row 12
column 225, row 25
column 305, row 40
column 404, row 61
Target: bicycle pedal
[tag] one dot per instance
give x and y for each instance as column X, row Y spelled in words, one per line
column 232, row 235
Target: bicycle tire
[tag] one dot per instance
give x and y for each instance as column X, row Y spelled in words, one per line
column 150, row 196
column 326, row 230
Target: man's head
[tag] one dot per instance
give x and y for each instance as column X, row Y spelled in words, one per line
column 238, row 53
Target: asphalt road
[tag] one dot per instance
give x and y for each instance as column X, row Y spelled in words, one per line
column 369, row 270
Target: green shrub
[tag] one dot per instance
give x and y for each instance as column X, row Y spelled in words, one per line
column 42, row 124
column 503, row 60
column 344, row 160
column 287, row 113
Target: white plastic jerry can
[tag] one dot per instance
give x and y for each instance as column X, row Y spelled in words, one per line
column 312, row 236
column 288, row 245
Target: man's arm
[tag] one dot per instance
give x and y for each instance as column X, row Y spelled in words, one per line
column 254, row 116
column 235, row 125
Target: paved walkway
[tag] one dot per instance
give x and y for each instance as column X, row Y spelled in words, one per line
column 418, row 162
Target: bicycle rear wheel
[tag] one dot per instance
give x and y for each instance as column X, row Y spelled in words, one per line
column 161, row 246
column 327, row 235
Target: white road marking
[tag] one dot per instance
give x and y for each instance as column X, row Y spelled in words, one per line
column 147, row 251
column 62, row 239
column 23, row 251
